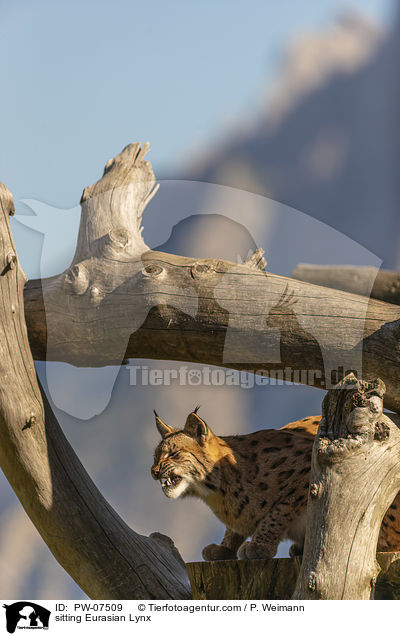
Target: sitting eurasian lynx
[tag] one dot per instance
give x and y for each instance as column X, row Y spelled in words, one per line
column 256, row 484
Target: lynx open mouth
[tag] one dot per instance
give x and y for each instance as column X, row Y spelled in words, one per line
column 170, row 481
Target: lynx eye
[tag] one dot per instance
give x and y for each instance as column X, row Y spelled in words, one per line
column 174, row 454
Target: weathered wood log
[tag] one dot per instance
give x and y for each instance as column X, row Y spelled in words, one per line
column 355, row 475
column 274, row 579
column 366, row 281
column 121, row 300
column 258, row 579
column 101, row 553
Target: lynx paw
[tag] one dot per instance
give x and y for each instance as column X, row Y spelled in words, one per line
column 251, row 550
column 214, row 552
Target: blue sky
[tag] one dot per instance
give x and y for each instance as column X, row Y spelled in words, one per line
column 83, row 79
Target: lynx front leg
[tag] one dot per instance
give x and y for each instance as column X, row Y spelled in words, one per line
column 269, row 533
column 227, row 550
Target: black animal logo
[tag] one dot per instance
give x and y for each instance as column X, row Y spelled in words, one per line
column 37, row 615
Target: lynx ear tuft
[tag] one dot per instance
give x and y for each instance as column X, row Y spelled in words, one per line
column 196, row 427
column 163, row 428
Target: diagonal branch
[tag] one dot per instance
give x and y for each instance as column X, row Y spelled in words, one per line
column 104, row 556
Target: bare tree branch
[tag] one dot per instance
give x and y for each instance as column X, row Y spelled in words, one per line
column 366, row 281
column 104, row 556
column 355, row 476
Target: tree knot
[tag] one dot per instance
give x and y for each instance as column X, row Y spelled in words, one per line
column 96, row 295
column 29, row 422
column 77, row 279
column 198, row 270
column 116, row 242
column 153, row 270
column 11, row 260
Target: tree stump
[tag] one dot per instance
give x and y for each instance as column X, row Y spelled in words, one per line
column 274, row 579
column 355, row 475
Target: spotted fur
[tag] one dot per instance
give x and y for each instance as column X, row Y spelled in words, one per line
column 256, row 484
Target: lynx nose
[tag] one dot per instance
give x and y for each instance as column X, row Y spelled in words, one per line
column 155, row 471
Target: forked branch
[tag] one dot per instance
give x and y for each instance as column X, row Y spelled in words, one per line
column 121, row 300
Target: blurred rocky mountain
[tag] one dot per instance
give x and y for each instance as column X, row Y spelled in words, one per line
column 326, row 140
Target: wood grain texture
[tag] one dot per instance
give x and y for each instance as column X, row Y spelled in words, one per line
column 355, row 476
column 275, row 579
column 366, row 281
column 103, row 555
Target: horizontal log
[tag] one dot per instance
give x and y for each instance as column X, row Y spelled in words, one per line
column 366, row 281
column 273, row 579
column 219, row 313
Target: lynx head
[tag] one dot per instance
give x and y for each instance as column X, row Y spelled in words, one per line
column 183, row 460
